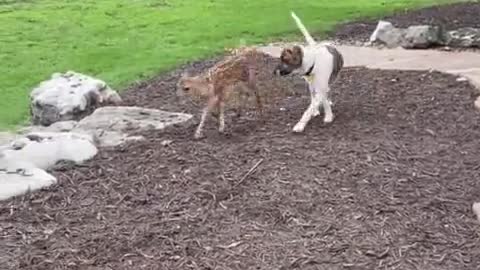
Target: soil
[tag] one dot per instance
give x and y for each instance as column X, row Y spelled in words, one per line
column 388, row 185
column 451, row 17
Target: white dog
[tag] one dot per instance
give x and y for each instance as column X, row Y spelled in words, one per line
column 320, row 65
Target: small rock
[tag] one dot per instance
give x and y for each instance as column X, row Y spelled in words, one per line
column 19, row 143
column 431, row 132
column 166, row 142
column 358, row 43
column 48, row 231
column 477, row 103
column 447, row 49
column 462, row 79
column 476, row 210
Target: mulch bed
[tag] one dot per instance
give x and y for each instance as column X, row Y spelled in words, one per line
column 388, row 185
column 451, row 17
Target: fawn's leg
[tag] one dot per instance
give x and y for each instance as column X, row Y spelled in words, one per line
column 252, row 84
column 221, row 116
column 212, row 102
column 259, row 102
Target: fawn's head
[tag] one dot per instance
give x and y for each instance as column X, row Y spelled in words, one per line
column 193, row 85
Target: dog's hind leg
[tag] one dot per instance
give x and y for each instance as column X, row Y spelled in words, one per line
column 312, row 96
column 327, row 108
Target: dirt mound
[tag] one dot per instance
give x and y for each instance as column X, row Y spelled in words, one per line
column 388, row 185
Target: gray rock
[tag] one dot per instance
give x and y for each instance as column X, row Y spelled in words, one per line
column 113, row 126
column 18, row 180
column 44, row 149
column 23, row 162
column 421, row 37
column 68, row 96
column 424, row 36
column 6, row 137
column 62, row 126
column 386, row 34
column 463, row 37
column 476, row 210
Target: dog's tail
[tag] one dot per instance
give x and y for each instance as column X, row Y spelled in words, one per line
column 304, row 30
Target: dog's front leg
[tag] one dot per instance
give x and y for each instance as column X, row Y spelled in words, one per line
column 309, row 113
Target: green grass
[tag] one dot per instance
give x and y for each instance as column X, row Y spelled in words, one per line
column 121, row 41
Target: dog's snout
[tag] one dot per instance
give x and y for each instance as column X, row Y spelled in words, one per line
column 283, row 69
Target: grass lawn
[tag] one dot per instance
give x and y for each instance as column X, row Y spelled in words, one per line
column 120, row 41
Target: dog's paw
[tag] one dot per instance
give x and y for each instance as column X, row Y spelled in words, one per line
column 328, row 118
column 298, row 128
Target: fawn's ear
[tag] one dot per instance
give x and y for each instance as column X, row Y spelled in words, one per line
column 186, row 74
column 207, row 76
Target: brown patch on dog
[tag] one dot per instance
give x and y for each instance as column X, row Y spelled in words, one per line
column 292, row 56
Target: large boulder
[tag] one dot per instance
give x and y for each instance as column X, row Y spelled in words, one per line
column 463, row 37
column 424, row 36
column 69, row 96
column 421, row 37
column 388, row 35
column 23, row 162
column 45, row 149
column 18, row 180
column 113, row 126
column 414, row 37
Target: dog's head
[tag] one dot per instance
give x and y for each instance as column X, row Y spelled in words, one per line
column 290, row 60
column 193, row 85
